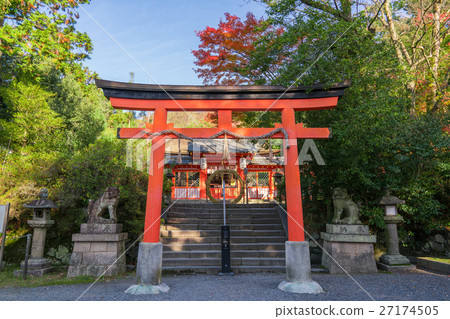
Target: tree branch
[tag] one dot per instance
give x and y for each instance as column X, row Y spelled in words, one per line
column 376, row 15
column 400, row 48
column 326, row 8
column 443, row 88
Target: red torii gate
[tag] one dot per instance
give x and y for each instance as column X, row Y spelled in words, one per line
column 224, row 100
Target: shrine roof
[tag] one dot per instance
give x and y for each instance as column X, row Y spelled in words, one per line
column 113, row 89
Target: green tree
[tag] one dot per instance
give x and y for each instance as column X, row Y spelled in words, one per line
column 31, row 123
column 83, row 108
column 86, row 175
column 35, row 32
column 380, row 140
column 415, row 30
column 31, row 133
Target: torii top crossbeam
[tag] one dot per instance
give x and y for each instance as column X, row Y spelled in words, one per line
column 149, row 97
column 224, row 100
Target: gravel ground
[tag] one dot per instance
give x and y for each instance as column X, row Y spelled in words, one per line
column 418, row 285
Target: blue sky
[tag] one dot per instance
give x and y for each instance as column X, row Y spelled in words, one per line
column 158, row 34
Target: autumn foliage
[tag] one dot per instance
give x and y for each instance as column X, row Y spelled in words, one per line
column 224, row 52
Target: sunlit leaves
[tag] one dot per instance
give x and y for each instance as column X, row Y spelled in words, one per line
column 38, row 31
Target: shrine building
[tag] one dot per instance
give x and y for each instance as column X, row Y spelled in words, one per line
column 195, row 161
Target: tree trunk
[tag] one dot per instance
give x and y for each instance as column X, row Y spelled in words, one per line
column 392, row 31
column 436, row 51
column 2, row 21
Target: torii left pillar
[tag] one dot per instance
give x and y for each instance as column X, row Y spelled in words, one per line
column 149, row 264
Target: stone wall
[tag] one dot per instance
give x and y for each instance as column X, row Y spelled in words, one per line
column 438, row 244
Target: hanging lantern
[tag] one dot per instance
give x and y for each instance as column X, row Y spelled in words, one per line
column 242, row 163
column 226, row 152
column 203, row 163
column 270, row 150
column 179, row 161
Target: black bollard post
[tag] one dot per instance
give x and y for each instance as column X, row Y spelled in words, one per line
column 27, row 253
column 225, row 235
column 226, row 256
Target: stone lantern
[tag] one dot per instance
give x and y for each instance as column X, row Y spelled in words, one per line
column 37, row 264
column 278, row 176
column 392, row 260
column 277, row 179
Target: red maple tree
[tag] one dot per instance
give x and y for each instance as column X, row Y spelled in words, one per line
column 224, row 52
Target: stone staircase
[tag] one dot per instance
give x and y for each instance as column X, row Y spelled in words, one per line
column 192, row 243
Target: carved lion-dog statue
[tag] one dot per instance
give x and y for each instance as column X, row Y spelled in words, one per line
column 346, row 211
column 108, row 201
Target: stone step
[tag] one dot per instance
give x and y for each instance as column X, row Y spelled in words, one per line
column 245, row 211
column 258, row 246
column 216, row 239
column 190, row 233
column 176, row 246
column 218, row 254
column 200, row 216
column 214, row 227
column 261, row 261
column 214, row 270
column 211, row 233
column 258, row 253
column 210, row 206
column 191, row 238
column 191, row 262
column 252, row 269
column 218, row 262
column 230, row 221
column 192, row 254
column 179, row 247
column 209, row 270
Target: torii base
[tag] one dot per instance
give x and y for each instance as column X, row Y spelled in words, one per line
column 149, row 271
column 298, row 270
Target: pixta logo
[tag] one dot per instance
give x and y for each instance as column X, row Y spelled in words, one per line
column 304, row 156
column 140, row 148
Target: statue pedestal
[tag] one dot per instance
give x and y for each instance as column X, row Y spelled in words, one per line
column 98, row 250
column 348, row 247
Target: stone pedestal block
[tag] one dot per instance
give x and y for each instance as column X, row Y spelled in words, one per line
column 396, row 268
column 98, row 250
column 349, row 248
column 394, row 260
column 36, row 267
column 149, row 270
column 298, row 270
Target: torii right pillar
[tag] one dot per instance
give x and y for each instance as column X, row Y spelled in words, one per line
column 298, row 263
